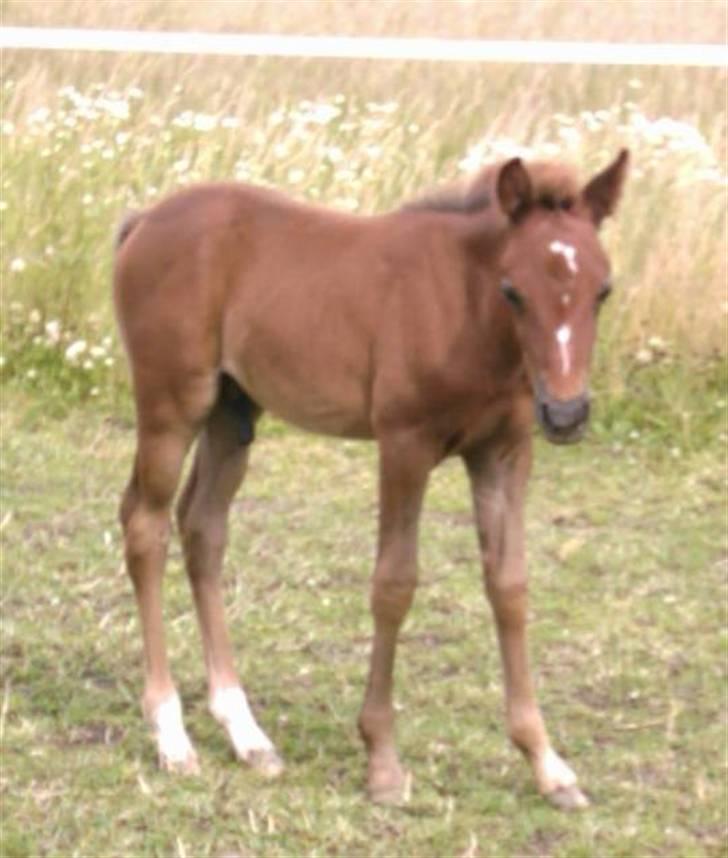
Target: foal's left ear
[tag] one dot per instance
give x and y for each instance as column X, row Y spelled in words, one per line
column 514, row 190
column 602, row 193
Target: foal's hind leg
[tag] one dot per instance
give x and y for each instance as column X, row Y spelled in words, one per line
column 219, row 468
column 145, row 517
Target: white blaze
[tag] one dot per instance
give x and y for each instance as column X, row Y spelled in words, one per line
column 563, row 338
column 568, row 251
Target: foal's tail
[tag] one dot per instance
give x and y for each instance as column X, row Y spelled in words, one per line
column 126, row 226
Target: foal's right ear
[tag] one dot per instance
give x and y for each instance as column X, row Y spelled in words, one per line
column 515, row 193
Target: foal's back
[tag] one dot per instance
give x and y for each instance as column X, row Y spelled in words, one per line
column 291, row 300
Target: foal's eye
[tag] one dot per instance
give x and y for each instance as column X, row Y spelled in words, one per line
column 604, row 292
column 512, row 295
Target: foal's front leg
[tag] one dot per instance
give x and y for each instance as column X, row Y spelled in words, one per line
column 498, row 478
column 404, row 467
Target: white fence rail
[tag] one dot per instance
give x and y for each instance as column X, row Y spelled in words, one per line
column 349, row 47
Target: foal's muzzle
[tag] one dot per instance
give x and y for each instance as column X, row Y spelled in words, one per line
column 563, row 420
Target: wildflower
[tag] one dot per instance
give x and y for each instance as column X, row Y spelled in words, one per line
column 643, row 357
column 97, row 351
column 322, row 114
column 295, row 176
column 230, row 122
column 88, row 364
column 78, row 347
column 7, row 127
column 39, row 116
column 94, row 391
column 87, row 199
column 657, row 345
column 31, row 374
column 277, row 117
column 18, row 265
column 2, row 361
column 333, row 154
column 205, row 122
column 53, row 331
column 3, row 205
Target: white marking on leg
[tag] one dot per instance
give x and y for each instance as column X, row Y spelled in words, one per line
column 230, row 707
column 566, row 299
column 568, row 251
column 563, row 338
column 553, row 773
column 175, row 748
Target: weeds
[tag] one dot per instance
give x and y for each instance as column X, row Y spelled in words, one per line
column 73, row 164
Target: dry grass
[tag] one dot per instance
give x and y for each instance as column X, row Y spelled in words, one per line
column 613, row 20
column 362, row 135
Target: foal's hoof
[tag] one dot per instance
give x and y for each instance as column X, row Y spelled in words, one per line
column 187, row 765
column 567, row 798
column 395, row 791
column 266, row 762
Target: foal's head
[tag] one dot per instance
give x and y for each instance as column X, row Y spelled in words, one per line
column 555, row 276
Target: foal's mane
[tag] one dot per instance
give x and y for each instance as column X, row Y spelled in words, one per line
column 554, row 186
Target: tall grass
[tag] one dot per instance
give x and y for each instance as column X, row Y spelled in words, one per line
column 85, row 137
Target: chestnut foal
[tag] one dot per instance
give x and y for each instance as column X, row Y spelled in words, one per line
column 436, row 330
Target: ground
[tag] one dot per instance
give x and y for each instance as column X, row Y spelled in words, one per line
column 628, row 634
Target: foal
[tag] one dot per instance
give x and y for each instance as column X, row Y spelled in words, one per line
column 436, row 330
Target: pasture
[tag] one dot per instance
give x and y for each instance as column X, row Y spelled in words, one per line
column 627, row 635
column 626, row 532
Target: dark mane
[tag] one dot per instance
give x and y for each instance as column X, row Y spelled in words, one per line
column 452, row 200
column 554, row 185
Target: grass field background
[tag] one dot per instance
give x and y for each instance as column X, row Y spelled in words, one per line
column 626, row 532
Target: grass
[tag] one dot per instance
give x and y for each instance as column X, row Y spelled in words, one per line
column 627, row 551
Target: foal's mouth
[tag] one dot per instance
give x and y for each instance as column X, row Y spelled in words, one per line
column 563, row 421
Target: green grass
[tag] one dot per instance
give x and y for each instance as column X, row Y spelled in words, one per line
column 627, row 551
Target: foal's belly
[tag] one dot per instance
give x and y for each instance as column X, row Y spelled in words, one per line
column 307, row 386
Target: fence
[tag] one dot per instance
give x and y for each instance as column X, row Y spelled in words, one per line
column 349, row 47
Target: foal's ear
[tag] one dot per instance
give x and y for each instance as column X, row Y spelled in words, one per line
column 514, row 190
column 602, row 193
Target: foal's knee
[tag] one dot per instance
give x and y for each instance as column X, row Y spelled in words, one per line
column 393, row 590
column 146, row 532
column 508, row 597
